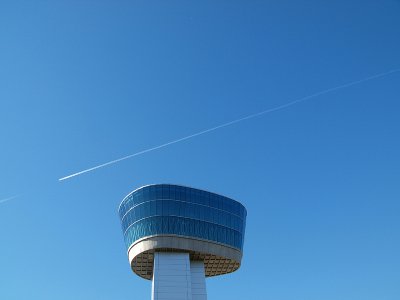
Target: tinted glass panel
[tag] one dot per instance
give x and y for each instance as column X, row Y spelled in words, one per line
column 161, row 209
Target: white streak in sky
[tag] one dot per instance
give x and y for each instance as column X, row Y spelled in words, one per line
column 283, row 106
column 8, row 199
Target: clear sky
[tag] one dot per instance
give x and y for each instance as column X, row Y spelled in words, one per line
column 86, row 82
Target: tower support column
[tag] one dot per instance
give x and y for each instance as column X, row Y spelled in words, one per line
column 198, row 278
column 175, row 277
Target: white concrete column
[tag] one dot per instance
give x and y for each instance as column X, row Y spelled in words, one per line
column 175, row 277
column 171, row 277
column 198, row 277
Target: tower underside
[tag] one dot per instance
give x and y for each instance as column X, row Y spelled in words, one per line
column 218, row 259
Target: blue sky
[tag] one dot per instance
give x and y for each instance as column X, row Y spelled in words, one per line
column 86, row 82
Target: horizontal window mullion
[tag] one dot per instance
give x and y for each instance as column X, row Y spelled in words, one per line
column 203, row 205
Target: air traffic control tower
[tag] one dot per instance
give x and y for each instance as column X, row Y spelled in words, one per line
column 177, row 236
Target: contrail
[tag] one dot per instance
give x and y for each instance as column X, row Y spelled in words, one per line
column 8, row 199
column 283, row 106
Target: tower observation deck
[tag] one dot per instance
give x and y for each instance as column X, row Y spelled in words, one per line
column 176, row 236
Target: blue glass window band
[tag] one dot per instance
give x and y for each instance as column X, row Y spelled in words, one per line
column 178, row 210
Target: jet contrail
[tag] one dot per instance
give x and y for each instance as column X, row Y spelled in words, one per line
column 9, row 198
column 288, row 104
